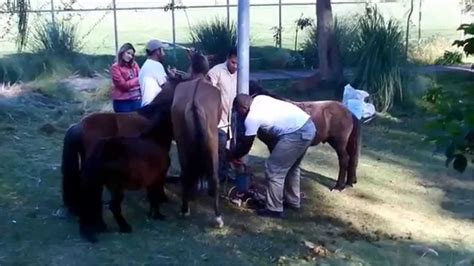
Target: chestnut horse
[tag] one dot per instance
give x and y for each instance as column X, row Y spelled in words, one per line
column 335, row 124
column 120, row 163
column 81, row 137
column 195, row 114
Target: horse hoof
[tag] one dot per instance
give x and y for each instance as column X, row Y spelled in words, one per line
column 89, row 237
column 125, row 229
column 219, row 222
column 101, row 228
column 338, row 187
column 164, row 199
column 158, row 216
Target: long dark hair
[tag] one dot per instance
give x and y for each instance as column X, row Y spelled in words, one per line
column 125, row 47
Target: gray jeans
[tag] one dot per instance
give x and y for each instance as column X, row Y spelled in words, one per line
column 283, row 167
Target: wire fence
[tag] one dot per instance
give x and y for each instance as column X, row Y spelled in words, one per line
column 105, row 24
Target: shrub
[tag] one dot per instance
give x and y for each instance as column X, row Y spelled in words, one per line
column 214, row 37
column 345, row 32
column 380, row 52
column 452, row 130
column 428, row 50
column 449, row 58
column 59, row 39
column 468, row 43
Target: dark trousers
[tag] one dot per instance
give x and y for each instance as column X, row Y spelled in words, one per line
column 125, row 106
column 224, row 166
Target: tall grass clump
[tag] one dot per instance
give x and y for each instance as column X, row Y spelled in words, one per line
column 381, row 58
column 214, row 37
column 58, row 39
column 346, row 34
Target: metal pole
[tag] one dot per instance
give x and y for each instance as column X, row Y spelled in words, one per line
column 419, row 19
column 173, row 22
column 53, row 20
column 279, row 24
column 243, row 47
column 228, row 13
column 115, row 26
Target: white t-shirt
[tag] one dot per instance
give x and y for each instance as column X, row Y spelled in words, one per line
column 151, row 77
column 274, row 116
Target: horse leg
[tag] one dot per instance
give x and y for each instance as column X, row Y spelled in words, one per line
column 100, row 223
column 161, row 189
column 116, row 209
column 90, row 211
column 343, row 157
column 187, row 189
column 214, row 190
column 154, row 198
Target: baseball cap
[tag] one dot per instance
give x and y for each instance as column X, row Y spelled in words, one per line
column 153, row 45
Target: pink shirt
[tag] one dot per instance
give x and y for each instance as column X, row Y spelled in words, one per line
column 125, row 84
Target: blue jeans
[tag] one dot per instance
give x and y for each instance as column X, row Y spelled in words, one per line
column 124, row 106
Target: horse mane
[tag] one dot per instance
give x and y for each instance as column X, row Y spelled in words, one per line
column 256, row 89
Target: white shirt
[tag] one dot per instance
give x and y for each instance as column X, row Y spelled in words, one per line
column 274, row 116
column 226, row 82
column 151, row 77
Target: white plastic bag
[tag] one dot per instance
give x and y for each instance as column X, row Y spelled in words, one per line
column 354, row 100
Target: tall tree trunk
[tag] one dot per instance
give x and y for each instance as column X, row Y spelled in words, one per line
column 330, row 65
column 329, row 75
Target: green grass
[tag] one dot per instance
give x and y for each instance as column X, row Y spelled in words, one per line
column 404, row 197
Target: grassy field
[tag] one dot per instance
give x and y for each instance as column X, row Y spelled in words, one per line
column 439, row 18
column 405, row 200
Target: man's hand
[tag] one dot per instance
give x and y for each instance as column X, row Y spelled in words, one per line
column 172, row 72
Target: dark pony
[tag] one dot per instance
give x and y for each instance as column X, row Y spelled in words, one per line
column 81, row 137
column 335, row 124
column 120, row 163
column 195, row 114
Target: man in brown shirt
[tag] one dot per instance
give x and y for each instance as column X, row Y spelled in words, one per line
column 224, row 77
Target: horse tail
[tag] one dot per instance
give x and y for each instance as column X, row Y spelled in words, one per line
column 354, row 145
column 201, row 161
column 72, row 155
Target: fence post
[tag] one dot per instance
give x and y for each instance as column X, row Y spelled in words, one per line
column 279, row 24
column 53, row 20
column 419, row 19
column 173, row 22
column 243, row 49
column 115, row 26
column 228, row 13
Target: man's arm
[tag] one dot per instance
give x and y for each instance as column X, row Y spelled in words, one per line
column 213, row 76
column 244, row 144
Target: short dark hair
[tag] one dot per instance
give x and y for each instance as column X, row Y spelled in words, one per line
column 232, row 52
column 199, row 64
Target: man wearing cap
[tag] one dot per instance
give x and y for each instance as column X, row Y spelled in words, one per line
column 152, row 75
column 224, row 77
column 294, row 131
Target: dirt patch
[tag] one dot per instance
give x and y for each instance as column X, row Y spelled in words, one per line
column 47, row 129
column 84, row 84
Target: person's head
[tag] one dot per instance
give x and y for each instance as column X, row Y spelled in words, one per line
column 199, row 64
column 232, row 60
column 242, row 104
column 155, row 50
column 126, row 54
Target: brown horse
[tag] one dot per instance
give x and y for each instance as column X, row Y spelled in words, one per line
column 120, row 163
column 335, row 124
column 81, row 137
column 195, row 114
